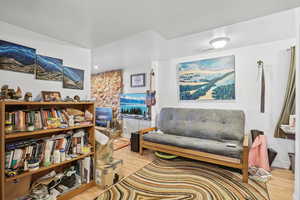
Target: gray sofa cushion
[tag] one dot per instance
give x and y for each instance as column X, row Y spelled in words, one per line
column 203, row 123
column 204, row 145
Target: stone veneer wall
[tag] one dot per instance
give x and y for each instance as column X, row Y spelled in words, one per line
column 106, row 88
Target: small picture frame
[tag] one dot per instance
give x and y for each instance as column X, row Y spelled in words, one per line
column 51, row 96
column 138, row 80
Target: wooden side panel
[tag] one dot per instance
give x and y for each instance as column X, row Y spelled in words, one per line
column 2, row 149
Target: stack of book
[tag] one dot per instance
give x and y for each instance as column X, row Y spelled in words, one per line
column 31, row 154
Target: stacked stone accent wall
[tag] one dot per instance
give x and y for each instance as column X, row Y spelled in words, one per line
column 106, row 88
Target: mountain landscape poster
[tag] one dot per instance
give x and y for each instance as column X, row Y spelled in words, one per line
column 134, row 106
column 73, row 78
column 207, row 79
column 48, row 68
column 18, row 58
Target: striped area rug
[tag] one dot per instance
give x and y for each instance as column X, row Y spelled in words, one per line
column 181, row 179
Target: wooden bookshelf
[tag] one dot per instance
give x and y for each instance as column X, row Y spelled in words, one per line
column 9, row 137
column 42, row 132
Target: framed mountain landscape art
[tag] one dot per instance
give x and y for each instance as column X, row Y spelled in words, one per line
column 207, row 79
column 17, row 58
column 73, row 78
column 48, row 68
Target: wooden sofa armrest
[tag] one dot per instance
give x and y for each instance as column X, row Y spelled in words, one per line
column 147, row 130
column 246, row 141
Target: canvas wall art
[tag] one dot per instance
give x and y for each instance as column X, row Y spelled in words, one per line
column 134, row 106
column 17, row 58
column 48, row 68
column 73, row 78
column 207, row 79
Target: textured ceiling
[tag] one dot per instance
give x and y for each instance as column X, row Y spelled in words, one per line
column 93, row 23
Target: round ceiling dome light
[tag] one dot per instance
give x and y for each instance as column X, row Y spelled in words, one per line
column 219, row 42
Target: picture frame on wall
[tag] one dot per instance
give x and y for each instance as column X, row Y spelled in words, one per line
column 138, row 80
column 51, row 96
column 207, row 79
column 73, row 78
column 17, row 58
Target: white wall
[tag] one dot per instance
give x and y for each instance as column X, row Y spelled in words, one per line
column 276, row 59
column 72, row 56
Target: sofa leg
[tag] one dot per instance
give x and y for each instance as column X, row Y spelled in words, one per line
column 245, row 174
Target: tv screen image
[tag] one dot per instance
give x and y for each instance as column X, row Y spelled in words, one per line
column 103, row 116
column 133, row 105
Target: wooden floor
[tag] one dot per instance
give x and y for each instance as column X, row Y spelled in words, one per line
column 280, row 186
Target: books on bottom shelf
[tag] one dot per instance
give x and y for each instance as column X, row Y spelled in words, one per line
column 31, row 154
column 57, row 183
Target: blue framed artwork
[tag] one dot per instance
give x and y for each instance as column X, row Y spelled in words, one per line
column 73, row 78
column 17, row 58
column 48, row 68
column 133, row 105
column 103, row 116
column 207, row 79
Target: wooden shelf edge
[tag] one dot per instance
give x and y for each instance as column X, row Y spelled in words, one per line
column 45, row 103
column 47, row 168
column 40, row 132
column 76, row 191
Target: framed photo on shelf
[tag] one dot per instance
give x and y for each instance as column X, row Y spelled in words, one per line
column 138, row 80
column 51, row 96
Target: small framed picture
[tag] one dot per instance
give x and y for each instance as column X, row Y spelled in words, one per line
column 138, row 80
column 51, row 96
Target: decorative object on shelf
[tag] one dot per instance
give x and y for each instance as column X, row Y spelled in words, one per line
column 133, row 105
column 17, row 58
column 18, row 93
column 73, row 78
column 138, row 80
column 207, row 79
column 10, row 94
column 30, row 126
column 48, row 68
column 69, row 99
column 51, row 96
column 77, row 98
column 28, row 96
column 260, row 64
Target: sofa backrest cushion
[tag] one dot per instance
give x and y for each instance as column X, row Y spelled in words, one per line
column 203, row 123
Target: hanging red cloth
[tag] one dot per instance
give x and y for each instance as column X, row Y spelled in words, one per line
column 258, row 155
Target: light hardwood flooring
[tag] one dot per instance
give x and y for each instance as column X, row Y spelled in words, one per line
column 280, row 187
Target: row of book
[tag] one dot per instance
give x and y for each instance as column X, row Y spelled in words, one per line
column 30, row 120
column 21, row 119
column 31, row 154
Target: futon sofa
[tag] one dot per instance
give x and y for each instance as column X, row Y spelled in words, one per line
column 210, row 135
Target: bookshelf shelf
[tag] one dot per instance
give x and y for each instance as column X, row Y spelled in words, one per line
column 76, row 191
column 6, row 138
column 46, row 103
column 41, row 132
column 47, row 168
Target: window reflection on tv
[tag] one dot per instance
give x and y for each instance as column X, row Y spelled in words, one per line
column 103, row 116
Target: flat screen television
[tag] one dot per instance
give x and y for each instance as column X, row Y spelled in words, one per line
column 133, row 105
column 103, row 116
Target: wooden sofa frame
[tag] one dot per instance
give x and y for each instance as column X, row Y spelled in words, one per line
column 201, row 156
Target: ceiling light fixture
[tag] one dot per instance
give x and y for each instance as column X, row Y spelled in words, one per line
column 96, row 67
column 220, row 42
